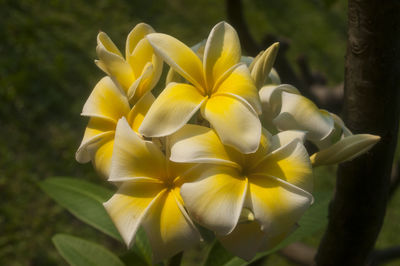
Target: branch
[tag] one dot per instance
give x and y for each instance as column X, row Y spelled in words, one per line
column 371, row 106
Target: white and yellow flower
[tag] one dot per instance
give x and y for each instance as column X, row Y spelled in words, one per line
column 149, row 195
column 220, row 86
column 139, row 71
column 105, row 106
column 274, row 184
column 342, row 145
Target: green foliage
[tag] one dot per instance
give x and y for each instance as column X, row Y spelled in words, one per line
column 80, row 252
column 84, row 200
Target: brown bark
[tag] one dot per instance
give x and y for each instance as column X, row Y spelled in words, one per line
column 372, row 78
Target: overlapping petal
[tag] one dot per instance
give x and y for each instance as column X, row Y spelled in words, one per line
column 139, row 111
column 172, row 109
column 112, row 61
column 129, row 206
column 245, row 241
column 180, row 57
column 198, row 144
column 298, row 112
column 168, row 227
column 345, row 149
column 290, row 163
column 102, row 156
column 135, row 158
column 222, row 51
column 239, row 84
column 276, row 206
column 216, row 197
column 106, row 101
column 243, row 132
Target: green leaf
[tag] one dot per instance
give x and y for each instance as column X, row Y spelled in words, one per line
column 84, row 200
column 313, row 220
column 142, row 246
column 80, row 252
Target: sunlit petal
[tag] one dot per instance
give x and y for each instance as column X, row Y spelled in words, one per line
column 102, row 157
column 235, row 123
column 106, row 101
column 263, row 64
column 139, row 110
column 112, row 60
column 180, row 57
column 240, row 84
column 135, row 158
column 216, row 198
column 285, row 137
column 135, row 36
column 97, row 130
column 276, row 206
column 171, row 110
column 222, row 51
column 129, row 205
column 290, row 164
column 198, row 144
column 169, row 228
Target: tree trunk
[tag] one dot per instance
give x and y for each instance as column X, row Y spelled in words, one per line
column 372, row 80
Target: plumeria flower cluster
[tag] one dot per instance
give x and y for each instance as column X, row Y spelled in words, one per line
column 221, row 147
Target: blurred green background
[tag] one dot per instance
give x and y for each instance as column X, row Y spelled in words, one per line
column 47, row 50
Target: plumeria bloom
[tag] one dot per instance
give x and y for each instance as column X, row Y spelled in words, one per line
column 273, row 184
column 285, row 109
column 342, row 145
column 149, row 195
column 139, row 71
column 220, row 86
column 105, row 106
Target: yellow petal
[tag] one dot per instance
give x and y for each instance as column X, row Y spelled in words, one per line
column 106, row 101
column 102, row 157
column 263, row 65
column 198, row 144
column 245, row 241
column 112, row 60
column 299, row 113
column 135, row 36
column 135, row 158
column 346, row 149
column 239, row 84
column 129, row 205
column 275, row 205
column 169, row 228
column 139, row 110
column 97, row 130
column 290, row 163
column 141, row 55
column 215, row 198
column 222, row 52
column 141, row 85
column 236, row 125
column 180, row 57
column 171, row 110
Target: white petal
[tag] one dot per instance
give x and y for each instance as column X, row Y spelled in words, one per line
column 299, row 113
column 169, row 228
column 172, row 109
column 345, row 150
column 198, row 144
column 129, row 205
column 215, row 198
column 134, row 157
column 236, row 125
